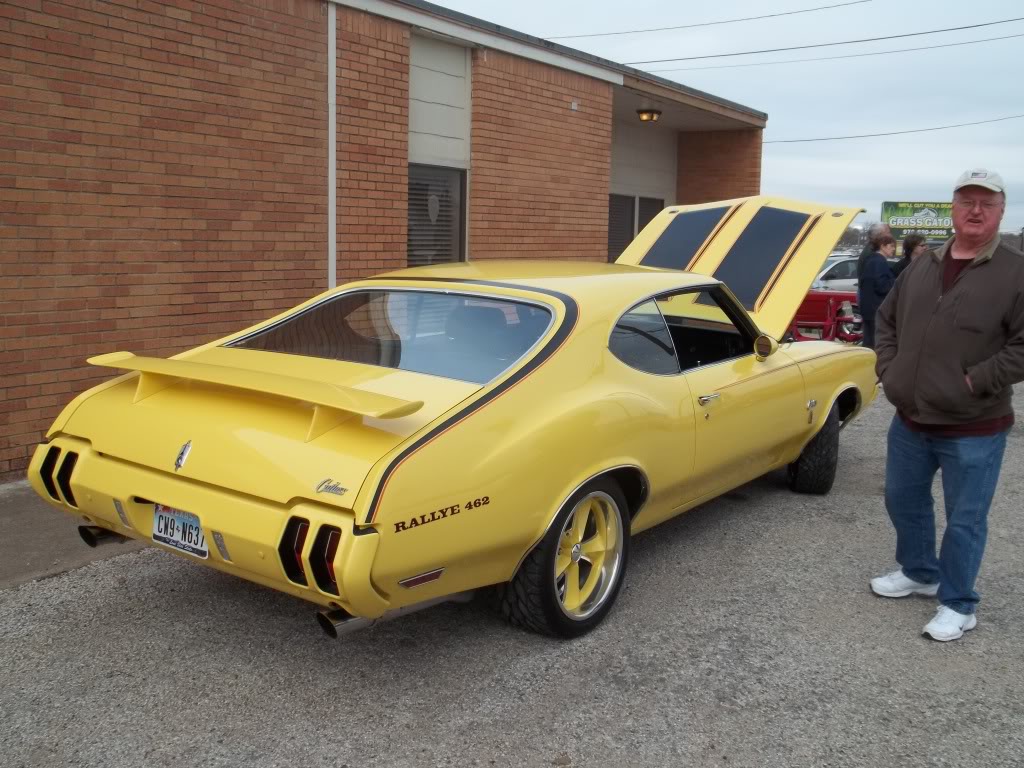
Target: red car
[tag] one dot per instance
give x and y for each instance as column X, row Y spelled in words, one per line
column 828, row 315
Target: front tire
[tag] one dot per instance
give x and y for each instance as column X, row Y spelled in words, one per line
column 568, row 583
column 815, row 470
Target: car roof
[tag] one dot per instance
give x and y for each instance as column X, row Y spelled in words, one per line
column 582, row 280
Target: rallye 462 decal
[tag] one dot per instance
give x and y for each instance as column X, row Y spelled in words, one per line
column 440, row 514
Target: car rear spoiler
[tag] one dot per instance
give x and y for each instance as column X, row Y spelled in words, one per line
column 332, row 404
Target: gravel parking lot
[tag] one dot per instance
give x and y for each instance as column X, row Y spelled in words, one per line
column 746, row 636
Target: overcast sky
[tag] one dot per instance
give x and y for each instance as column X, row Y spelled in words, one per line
column 898, row 91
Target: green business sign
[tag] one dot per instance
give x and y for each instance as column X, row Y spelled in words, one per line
column 933, row 220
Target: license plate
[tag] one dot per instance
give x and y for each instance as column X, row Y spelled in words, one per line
column 180, row 530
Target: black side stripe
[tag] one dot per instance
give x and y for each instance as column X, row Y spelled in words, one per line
column 561, row 334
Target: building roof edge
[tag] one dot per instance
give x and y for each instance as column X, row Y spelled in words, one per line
column 557, row 49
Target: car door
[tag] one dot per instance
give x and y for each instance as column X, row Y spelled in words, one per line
column 750, row 413
column 652, row 388
column 767, row 250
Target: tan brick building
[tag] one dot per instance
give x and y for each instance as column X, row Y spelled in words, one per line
column 170, row 172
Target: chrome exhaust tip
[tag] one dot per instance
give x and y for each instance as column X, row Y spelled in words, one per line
column 93, row 535
column 340, row 622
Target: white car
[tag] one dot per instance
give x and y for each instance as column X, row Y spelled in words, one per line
column 839, row 273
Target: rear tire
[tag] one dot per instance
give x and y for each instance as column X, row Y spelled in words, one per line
column 815, row 470
column 568, row 583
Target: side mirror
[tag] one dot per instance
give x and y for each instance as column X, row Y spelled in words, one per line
column 764, row 347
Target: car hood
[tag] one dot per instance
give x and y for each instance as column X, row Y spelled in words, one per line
column 767, row 250
column 272, row 425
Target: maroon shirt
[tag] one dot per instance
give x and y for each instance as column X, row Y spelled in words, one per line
column 950, row 272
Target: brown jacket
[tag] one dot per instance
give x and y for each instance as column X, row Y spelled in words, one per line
column 927, row 342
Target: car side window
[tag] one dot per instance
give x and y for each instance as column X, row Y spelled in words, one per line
column 706, row 328
column 641, row 340
column 836, row 273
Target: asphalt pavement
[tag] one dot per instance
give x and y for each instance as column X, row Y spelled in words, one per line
column 38, row 540
column 746, row 636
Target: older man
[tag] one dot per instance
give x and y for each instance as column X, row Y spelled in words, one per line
column 950, row 348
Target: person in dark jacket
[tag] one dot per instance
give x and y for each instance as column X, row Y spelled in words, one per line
column 874, row 279
column 950, row 348
column 913, row 246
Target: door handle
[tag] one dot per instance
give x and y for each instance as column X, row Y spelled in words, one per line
column 705, row 399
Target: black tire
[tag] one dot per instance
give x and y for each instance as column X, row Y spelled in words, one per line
column 535, row 599
column 815, row 470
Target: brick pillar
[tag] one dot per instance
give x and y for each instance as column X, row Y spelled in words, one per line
column 373, row 144
column 718, row 165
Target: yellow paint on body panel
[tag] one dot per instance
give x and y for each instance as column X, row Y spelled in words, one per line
column 274, row 436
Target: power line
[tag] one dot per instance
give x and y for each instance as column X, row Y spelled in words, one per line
column 894, row 133
column 708, row 23
column 831, row 58
column 825, row 45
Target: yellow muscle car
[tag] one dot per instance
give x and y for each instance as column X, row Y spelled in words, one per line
column 427, row 433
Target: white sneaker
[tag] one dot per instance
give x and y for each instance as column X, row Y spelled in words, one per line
column 895, row 584
column 949, row 625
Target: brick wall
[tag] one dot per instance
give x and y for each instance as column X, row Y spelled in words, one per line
column 163, row 175
column 718, row 165
column 373, row 144
column 541, row 171
column 162, row 182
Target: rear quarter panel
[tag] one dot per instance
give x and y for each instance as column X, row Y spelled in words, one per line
column 483, row 492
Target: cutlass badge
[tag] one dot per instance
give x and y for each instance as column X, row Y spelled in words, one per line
column 182, row 456
column 330, row 486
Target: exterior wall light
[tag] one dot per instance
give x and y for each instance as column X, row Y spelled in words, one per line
column 648, row 115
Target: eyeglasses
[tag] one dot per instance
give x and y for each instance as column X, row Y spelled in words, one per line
column 986, row 205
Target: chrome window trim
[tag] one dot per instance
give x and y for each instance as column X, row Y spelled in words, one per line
column 334, row 296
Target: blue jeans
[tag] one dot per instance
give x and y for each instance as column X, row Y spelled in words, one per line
column 970, row 470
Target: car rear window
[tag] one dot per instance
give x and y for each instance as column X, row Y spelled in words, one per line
column 465, row 337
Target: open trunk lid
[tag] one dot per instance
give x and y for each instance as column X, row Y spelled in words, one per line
column 766, row 250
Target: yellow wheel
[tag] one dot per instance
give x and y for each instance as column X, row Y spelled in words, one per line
column 589, row 555
column 569, row 582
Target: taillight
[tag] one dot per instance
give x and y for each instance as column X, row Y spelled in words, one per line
column 290, row 549
column 321, row 558
column 64, row 477
column 46, row 471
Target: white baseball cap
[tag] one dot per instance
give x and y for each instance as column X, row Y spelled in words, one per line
column 980, row 177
